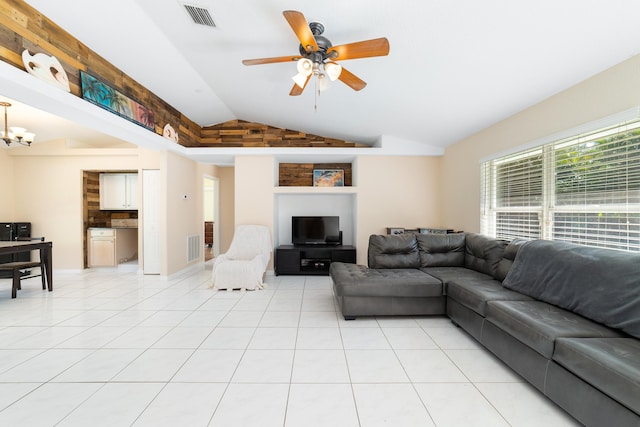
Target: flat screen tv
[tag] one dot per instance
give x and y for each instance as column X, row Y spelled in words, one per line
column 315, row 230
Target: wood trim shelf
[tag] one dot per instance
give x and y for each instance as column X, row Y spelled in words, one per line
column 315, row 190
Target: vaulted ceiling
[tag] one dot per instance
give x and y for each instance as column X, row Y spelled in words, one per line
column 454, row 67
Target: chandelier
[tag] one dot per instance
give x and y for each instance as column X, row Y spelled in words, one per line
column 15, row 134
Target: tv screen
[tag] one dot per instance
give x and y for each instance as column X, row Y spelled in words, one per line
column 315, row 230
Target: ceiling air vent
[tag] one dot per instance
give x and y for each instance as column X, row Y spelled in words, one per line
column 200, row 15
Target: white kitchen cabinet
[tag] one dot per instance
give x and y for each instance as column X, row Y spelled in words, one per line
column 102, row 247
column 108, row 247
column 118, row 191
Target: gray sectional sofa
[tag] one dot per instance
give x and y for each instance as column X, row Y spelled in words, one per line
column 565, row 317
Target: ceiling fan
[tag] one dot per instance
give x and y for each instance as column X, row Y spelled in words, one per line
column 317, row 55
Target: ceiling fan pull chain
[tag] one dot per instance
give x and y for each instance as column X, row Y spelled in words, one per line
column 315, row 95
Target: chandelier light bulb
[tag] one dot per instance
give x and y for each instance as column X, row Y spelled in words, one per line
column 15, row 133
column 28, row 137
column 18, row 132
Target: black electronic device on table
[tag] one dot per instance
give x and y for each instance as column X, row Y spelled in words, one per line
column 315, row 230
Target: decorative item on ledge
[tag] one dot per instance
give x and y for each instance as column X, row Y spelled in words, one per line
column 420, row 230
column 169, row 133
column 328, row 178
column 435, row 230
column 46, row 68
column 395, row 230
column 104, row 96
column 16, row 134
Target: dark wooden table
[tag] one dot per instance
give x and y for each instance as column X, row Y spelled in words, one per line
column 45, row 249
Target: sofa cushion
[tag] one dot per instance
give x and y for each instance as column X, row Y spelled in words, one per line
column 393, row 251
column 483, row 253
column 358, row 280
column 599, row 284
column 474, row 294
column 441, row 250
column 612, row 365
column 508, row 256
column 538, row 324
column 449, row 274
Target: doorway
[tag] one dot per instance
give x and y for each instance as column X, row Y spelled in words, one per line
column 211, row 212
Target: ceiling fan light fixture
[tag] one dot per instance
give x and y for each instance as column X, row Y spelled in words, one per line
column 300, row 79
column 333, row 70
column 305, row 66
column 324, row 82
column 316, row 52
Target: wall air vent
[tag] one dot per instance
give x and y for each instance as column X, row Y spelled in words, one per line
column 200, row 15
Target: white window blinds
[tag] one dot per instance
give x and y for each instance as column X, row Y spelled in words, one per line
column 583, row 189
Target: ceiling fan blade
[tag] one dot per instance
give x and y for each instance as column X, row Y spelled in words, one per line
column 271, row 60
column 300, row 26
column 351, row 80
column 363, row 49
column 297, row 90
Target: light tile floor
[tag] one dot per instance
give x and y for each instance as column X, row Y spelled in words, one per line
column 111, row 348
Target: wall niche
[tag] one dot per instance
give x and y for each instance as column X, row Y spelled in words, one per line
column 301, row 174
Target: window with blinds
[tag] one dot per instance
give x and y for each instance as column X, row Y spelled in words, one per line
column 583, row 189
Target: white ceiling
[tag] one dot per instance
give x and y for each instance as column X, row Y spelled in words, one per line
column 454, row 68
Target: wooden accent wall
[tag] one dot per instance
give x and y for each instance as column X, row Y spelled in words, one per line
column 23, row 27
column 239, row 133
column 301, row 174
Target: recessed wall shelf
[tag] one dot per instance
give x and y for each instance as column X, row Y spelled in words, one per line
column 315, row 190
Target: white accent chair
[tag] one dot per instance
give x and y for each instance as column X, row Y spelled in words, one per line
column 244, row 265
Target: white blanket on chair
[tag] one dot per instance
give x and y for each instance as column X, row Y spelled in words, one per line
column 243, row 266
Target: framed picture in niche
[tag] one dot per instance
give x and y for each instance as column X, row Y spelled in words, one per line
column 328, row 178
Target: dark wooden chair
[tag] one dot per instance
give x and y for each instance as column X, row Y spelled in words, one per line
column 23, row 269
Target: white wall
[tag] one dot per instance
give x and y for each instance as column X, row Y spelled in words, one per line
column 7, row 190
column 396, row 192
column 288, row 205
column 254, row 192
column 208, row 199
column 226, row 209
column 390, row 191
column 183, row 208
column 48, row 193
column 612, row 91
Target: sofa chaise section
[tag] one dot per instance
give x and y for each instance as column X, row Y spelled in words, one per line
column 395, row 286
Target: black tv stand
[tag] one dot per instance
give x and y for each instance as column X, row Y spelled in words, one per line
column 311, row 259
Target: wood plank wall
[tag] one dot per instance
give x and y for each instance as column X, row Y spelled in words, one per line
column 23, row 27
column 301, row 174
column 239, row 133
